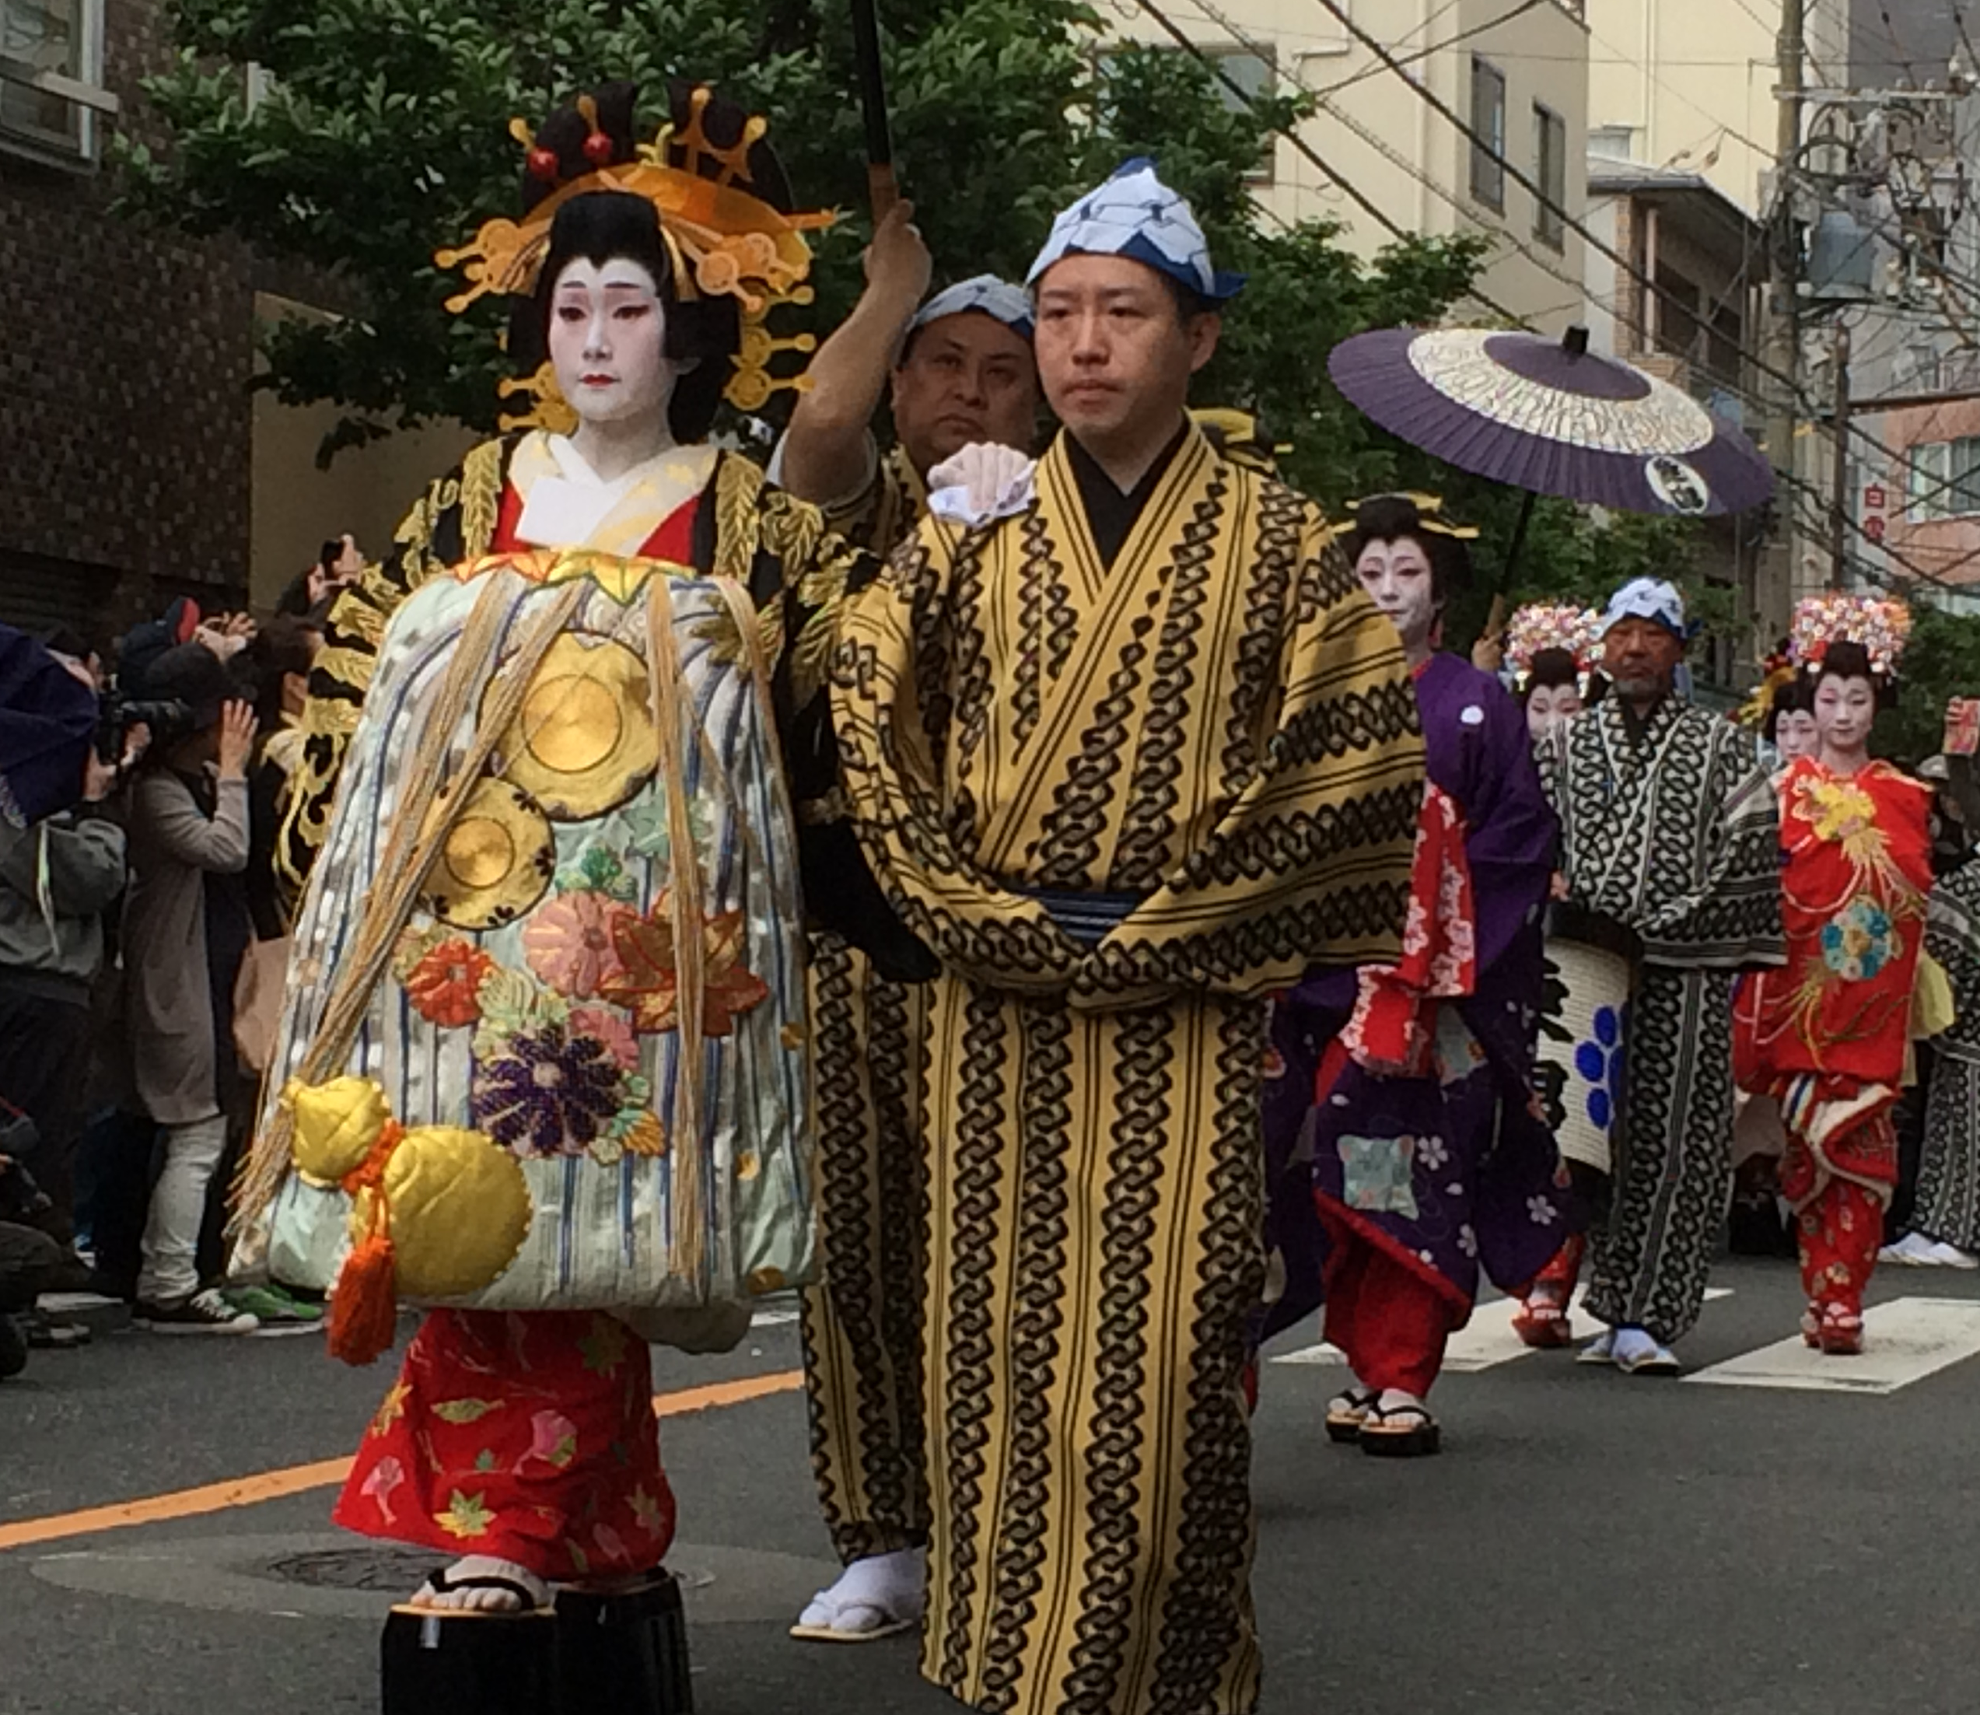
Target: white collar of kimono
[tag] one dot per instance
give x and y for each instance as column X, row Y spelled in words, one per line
column 570, row 508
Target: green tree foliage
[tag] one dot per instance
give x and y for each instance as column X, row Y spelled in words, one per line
column 1942, row 661
column 383, row 136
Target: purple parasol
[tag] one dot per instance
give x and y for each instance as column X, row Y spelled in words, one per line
column 1552, row 418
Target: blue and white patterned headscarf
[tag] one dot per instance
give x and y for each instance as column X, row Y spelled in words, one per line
column 995, row 298
column 1651, row 599
column 1137, row 216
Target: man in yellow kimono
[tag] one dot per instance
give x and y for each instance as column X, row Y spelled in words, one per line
column 957, row 370
column 1127, row 758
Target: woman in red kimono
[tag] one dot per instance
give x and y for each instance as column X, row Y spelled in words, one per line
column 533, row 1003
column 1826, row 1035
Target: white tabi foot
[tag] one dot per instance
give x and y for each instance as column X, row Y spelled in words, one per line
column 874, row 1598
column 1639, row 1353
column 483, row 1584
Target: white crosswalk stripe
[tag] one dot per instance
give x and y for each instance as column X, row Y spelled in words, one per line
column 1904, row 1341
column 1484, row 1343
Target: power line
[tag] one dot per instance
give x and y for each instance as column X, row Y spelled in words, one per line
column 1392, row 154
column 1309, row 153
column 1602, row 247
column 1521, row 178
column 1423, row 53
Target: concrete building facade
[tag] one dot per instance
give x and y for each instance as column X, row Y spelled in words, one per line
column 1521, row 81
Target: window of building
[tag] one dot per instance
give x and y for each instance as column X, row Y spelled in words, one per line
column 1942, row 479
column 1723, row 342
column 1675, row 305
column 1254, row 75
column 51, row 66
column 1550, row 174
column 1488, row 120
column 1915, row 369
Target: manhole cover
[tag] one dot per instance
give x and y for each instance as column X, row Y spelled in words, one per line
column 389, row 1569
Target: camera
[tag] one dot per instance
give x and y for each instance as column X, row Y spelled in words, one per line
column 168, row 719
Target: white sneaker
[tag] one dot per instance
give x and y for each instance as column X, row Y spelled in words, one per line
column 1944, row 1255
column 203, row 1313
column 1914, row 1250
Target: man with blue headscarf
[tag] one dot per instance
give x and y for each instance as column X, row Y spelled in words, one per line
column 1670, row 840
column 1127, row 749
column 958, row 370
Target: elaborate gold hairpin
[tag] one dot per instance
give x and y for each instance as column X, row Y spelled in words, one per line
column 1429, row 513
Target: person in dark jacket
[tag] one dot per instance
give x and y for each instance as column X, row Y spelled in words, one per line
column 58, row 877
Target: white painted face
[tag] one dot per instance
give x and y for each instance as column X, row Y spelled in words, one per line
column 608, row 332
column 1844, row 711
column 1397, row 577
column 1547, row 706
column 1795, row 734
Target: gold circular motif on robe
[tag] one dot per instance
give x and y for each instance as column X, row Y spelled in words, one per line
column 497, row 861
column 459, row 1207
column 583, row 741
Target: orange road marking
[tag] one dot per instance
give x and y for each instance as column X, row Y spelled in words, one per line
column 325, row 1473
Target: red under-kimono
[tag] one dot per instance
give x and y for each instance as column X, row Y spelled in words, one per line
column 527, row 1436
column 1826, row 1035
column 1389, row 1309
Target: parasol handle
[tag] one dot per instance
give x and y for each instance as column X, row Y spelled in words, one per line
column 1513, row 552
column 883, row 189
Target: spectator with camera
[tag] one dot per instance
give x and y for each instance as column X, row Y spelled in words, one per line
column 186, row 928
column 58, row 878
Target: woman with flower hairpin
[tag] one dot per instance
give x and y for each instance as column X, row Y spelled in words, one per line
column 543, row 1067
column 1407, row 1151
column 1827, row 1034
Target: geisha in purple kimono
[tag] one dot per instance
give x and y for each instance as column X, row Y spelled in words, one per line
column 1405, row 1146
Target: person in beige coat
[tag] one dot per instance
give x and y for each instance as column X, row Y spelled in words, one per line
column 188, row 822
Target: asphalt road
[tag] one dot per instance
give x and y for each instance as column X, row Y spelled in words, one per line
column 1587, row 1543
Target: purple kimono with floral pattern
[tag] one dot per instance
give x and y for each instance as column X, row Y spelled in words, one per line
column 1457, row 1170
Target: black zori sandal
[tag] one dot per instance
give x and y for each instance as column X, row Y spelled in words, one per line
column 1401, row 1432
column 1347, row 1412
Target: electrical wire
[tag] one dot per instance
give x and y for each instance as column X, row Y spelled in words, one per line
column 1795, row 391
column 1391, row 153
column 1424, row 53
column 1360, row 198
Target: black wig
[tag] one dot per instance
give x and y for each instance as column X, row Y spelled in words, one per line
column 1796, row 697
column 1552, row 669
column 602, row 226
column 1845, row 659
column 1386, row 517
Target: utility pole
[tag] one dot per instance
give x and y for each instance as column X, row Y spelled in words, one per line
column 1839, row 497
column 1774, row 577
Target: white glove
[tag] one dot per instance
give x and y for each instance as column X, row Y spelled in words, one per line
column 982, row 483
